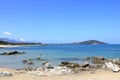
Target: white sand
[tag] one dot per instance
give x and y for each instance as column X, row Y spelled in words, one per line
column 99, row 75
column 3, row 46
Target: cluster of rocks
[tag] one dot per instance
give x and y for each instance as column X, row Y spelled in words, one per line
column 97, row 60
column 5, row 73
column 30, row 61
column 59, row 70
column 111, row 64
column 12, row 53
column 70, row 68
column 70, row 65
column 97, row 63
column 63, row 68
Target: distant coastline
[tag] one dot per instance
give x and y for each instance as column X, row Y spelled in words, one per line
column 8, row 43
column 4, row 43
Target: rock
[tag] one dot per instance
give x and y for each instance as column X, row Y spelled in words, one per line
column 59, row 70
column 0, row 73
column 38, row 58
column 85, row 64
column 116, row 61
column 30, row 59
column 30, row 62
column 24, row 61
column 95, row 66
column 12, row 53
column 6, row 73
column 112, row 66
column 65, row 63
column 88, row 58
column 47, row 65
column 70, row 65
column 98, row 60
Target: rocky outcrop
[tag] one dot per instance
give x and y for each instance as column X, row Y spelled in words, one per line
column 85, row 64
column 98, row 60
column 5, row 73
column 112, row 66
column 30, row 62
column 59, row 70
column 116, row 61
column 12, row 53
column 47, row 65
column 70, row 65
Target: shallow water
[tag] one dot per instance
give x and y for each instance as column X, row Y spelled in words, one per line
column 56, row 53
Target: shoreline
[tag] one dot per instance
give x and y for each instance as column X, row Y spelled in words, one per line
column 6, row 46
column 87, row 75
column 66, row 71
column 101, row 69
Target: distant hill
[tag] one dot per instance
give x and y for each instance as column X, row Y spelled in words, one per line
column 7, row 41
column 4, row 43
column 91, row 42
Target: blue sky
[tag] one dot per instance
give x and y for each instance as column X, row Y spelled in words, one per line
column 60, row 21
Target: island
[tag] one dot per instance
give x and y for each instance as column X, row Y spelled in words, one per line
column 91, row 42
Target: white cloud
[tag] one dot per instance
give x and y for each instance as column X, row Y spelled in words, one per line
column 7, row 33
column 21, row 39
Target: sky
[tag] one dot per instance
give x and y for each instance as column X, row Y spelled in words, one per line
column 60, row 21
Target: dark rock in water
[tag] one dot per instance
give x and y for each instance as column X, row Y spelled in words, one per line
column 116, row 61
column 96, row 66
column 88, row 58
column 70, row 65
column 38, row 58
column 24, row 61
column 65, row 63
column 50, row 67
column 85, row 64
column 98, row 60
column 30, row 62
column 30, row 59
column 12, row 53
column 26, row 69
column 47, row 65
column 69, row 59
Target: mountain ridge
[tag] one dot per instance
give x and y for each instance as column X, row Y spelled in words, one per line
column 7, row 41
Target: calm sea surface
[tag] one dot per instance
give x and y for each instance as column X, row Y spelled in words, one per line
column 56, row 53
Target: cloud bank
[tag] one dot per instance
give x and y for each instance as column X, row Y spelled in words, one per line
column 7, row 33
column 21, row 39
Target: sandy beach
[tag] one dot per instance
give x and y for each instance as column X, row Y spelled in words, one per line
column 4, row 46
column 87, row 75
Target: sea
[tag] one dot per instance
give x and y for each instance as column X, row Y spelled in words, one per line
column 55, row 54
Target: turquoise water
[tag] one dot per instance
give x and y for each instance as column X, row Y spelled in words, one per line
column 56, row 53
